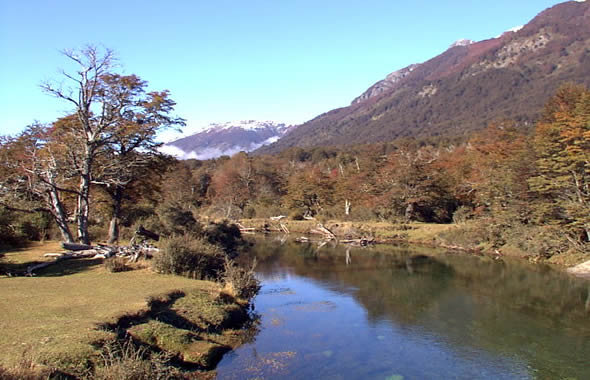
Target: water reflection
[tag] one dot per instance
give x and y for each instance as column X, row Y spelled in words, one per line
column 342, row 312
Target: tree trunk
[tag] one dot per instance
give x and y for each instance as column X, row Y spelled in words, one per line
column 117, row 198
column 83, row 209
column 60, row 216
column 410, row 211
column 346, row 207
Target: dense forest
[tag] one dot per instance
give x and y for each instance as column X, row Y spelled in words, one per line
column 98, row 171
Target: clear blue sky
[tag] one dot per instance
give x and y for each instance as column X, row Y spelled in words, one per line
column 282, row 60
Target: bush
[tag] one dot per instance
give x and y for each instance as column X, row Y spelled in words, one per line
column 126, row 361
column 543, row 241
column 249, row 212
column 98, row 232
column 240, row 282
column 16, row 230
column 296, row 214
column 177, row 220
column 189, row 256
column 471, row 235
column 116, row 264
column 225, row 235
column 462, row 214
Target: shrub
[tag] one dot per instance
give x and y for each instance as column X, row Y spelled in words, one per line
column 249, row 212
column 116, row 264
column 462, row 214
column 176, row 220
column 25, row 369
column 296, row 214
column 471, row 235
column 126, row 361
column 189, row 256
column 543, row 241
column 16, row 230
column 98, row 232
column 240, row 282
column 225, row 235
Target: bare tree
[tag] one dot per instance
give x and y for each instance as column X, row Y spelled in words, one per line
column 95, row 117
column 114, row 119
column 31, row 179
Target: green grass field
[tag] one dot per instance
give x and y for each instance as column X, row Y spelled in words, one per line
column 55, row 316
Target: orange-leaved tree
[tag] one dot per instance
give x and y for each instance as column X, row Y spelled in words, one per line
column 562, row 141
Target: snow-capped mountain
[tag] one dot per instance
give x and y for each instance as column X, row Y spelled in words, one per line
column 461, row 42
column 220, row 139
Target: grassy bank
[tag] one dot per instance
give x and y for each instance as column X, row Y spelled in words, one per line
column 468, row 236
column 62, row 317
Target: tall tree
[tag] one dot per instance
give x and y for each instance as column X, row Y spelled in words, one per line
column 562, row 140
column 113, row 115
column 131, row 154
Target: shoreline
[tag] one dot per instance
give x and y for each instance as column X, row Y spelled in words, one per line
column 423, row 234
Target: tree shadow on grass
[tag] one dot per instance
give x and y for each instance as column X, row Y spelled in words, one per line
column 62, row 268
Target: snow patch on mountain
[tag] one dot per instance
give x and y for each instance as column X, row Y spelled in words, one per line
column 461, row 42
column 226, row 139
column 247, row 125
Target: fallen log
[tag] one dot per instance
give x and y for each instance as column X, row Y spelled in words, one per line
column 75, row 246
column 321, row 230
column 284, row 228
column 82, row 251
column 147, row 233
column 245, row 229
column 360, row 242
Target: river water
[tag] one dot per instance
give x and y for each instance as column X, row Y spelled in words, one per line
column 401, row 312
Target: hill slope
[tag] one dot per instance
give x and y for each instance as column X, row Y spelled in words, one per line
column 464, row 88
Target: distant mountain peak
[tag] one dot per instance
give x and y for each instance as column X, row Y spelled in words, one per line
column 462, row 42
column 248, row 125
column 465, row 88
column 226, row 139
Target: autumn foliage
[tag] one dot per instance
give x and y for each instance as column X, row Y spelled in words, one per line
column 520, row 188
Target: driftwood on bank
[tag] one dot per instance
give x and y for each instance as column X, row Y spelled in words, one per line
column 243, row 229
column 363, row 242
column 321, row 230
column 131, row 252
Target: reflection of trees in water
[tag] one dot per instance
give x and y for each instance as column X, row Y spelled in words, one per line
column 527, row 311
column 401, row 284
column 532, row 289
column 389, row 283
column 407, row 276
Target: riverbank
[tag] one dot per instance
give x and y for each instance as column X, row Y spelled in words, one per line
column 74, row 314
column 448, row 236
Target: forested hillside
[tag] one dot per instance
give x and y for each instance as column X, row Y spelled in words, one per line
column 466, row 87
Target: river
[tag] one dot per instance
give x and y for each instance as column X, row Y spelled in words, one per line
column 402, row 312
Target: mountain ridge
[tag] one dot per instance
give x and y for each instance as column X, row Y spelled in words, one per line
column 464, row 88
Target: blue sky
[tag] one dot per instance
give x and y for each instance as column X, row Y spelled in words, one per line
column 282, row 60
